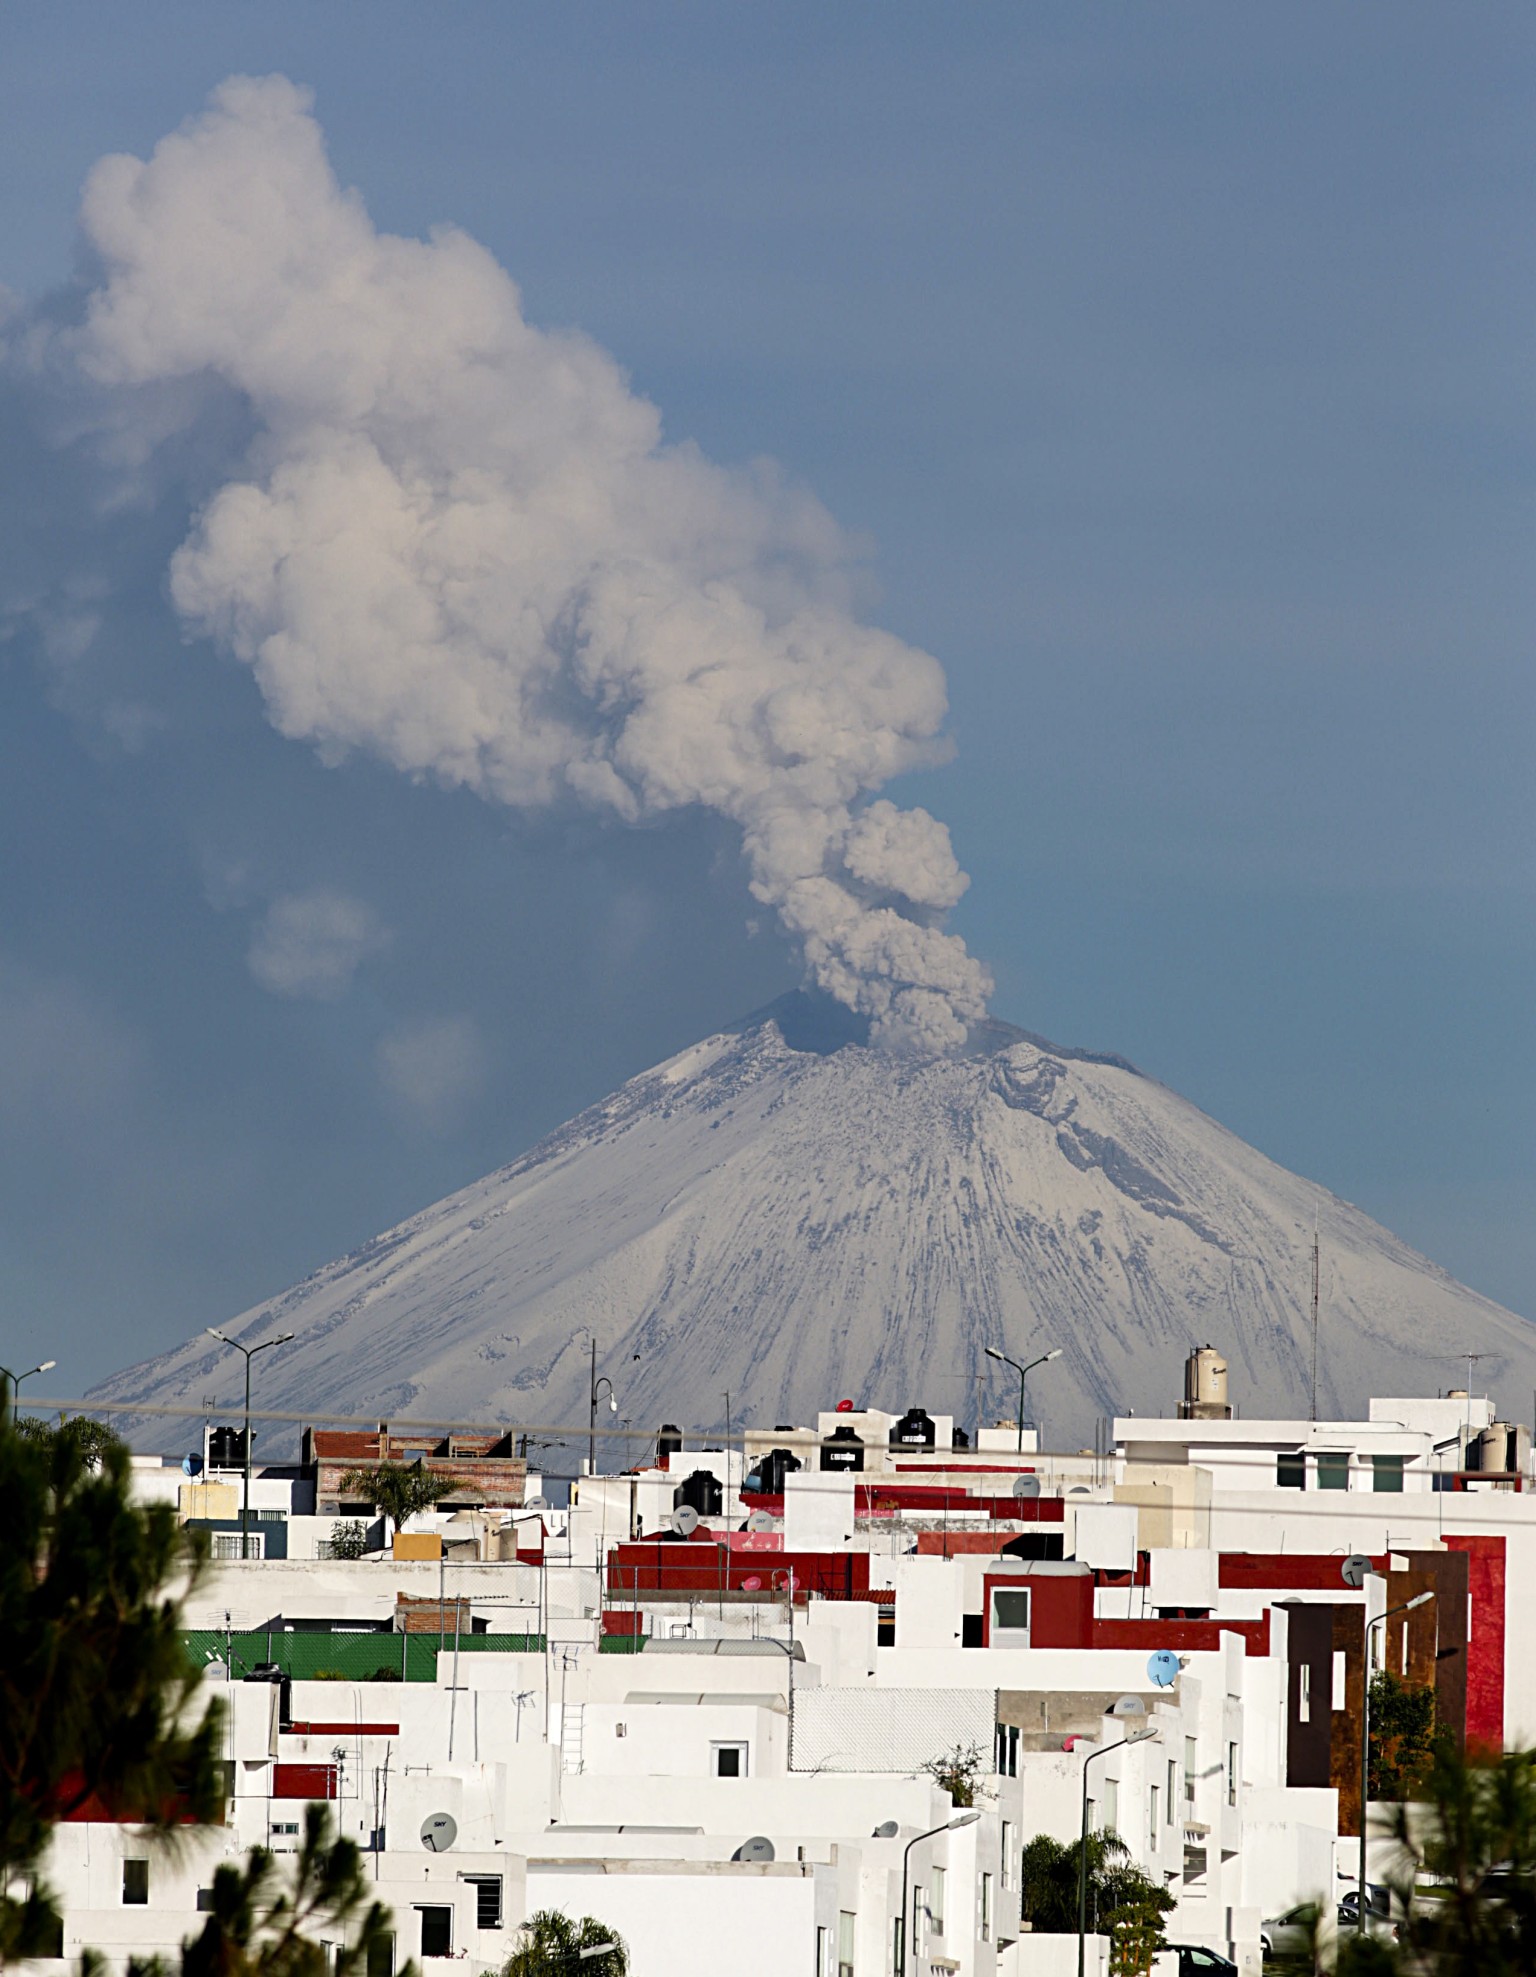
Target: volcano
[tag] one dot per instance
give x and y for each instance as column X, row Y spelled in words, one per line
column 785, row 1214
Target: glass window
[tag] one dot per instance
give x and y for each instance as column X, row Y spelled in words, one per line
column 1152, row 1810
column 986, row 1909
column 1388, row 1472
column 1005, row 1861
column 381, row 1956
column 1304, row 1693
column 846, row 1925
column 1173, row 1788
column 823, row 1953
column 936, row 1901
column 1112, row 1805
column 1333, row 1472
column 730, row 1760
column 1231, row 1774
column 1190, row 1761
column 1291, row 1470
column 1010, row 1609
column 135, row 1883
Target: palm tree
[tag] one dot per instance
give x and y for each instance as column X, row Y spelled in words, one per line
column 397, row 1490
column 555, row 1946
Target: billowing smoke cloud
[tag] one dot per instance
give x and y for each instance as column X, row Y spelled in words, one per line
column 459, row 543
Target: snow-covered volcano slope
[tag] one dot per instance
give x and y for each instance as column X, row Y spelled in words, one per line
column 794, row 1217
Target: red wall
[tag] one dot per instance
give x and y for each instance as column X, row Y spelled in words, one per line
column 1485, row 1643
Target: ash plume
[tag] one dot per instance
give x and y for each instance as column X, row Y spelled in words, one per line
column 459, row 542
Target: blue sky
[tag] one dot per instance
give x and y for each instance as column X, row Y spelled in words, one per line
column 1173, row 369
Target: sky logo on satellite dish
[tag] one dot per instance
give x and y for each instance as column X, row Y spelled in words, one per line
column 438, row 1832
column 756, row 1849
column 1355, row 1570
column 1027, row 1486
column 685, row 1520
column 1163, row 1668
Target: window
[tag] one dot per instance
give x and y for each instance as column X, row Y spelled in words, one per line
column 1388, row 1473
column 1291, row 1470
column 1340, row 1676
column 135, row 1883
column 1190, row 1761
column 1007, row 1758
column 823, row 1952
column 1112, row 1805
column 271, row 1516
column 1333, row 1472
column 846, row 1924
column 936, row 1902
column 1173, row 1788
column 226, row 1544
column 381, row 1956
column 1005, row 1856
column 919, row 1919
column 1010, row 1615
column 284, row 1835
column 436, row 1931
column 728, row 1760
column 487, row 1889
column 986, row 1908
column 1304, row 1693
column 1152, row 1808
column 1231, row 1774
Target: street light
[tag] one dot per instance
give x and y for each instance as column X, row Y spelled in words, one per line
column 1136, row 1737
column 17, row 1378
column 950, row 1826
column 250, row 1352
column 1023, row 1373
column 1408, row 1605
column 596, row 1396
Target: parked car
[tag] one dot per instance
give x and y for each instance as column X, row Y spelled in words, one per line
column 1378, row 1914
column 1291, row 1934
column 1195, row 1962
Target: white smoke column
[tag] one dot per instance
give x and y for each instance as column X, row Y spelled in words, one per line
column 459, row 543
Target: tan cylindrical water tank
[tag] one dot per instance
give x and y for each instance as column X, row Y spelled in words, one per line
column 1205, row 1386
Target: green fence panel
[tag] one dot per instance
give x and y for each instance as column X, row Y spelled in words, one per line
column 347, row 1657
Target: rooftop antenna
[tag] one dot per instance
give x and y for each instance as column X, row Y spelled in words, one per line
column 1315, row 1275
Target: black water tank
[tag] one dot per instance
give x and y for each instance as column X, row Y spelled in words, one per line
column 842, row 1450
column 701, row 1492
column 962, row 1439
column 669, row 1441
column 269, row 1671
column 226, row 1449
column 774, row 1467
column 914, row 1430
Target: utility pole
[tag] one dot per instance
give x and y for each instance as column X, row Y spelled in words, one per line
column 1315, row 1275
column 250, row 1352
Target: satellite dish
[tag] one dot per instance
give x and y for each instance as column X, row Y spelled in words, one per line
column 886, row 1830
column 438, row 1832
column 685, row 1520
column 1163, row 1668
column 1128, row 1706
column 1355, row 1570
column 759, row 1521
column 537, row 1503
column 1079, row 1489
column 1027, row 1486
column 752, row 1584
column 757, row 1849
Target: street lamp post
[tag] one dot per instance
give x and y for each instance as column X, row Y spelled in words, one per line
column 1408, row 1605
column 17, row 1378
column 250, row 1352
column 1023, row 1373
column 595, row 1396
column 1136, row 1737
column 950, row 1825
